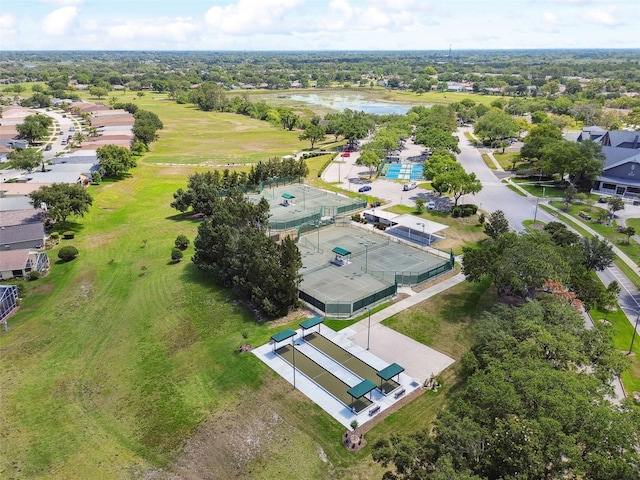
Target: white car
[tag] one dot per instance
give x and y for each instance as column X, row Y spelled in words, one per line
column 431, row 205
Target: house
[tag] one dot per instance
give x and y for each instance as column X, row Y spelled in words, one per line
column 621, row 174
column 18, row 263
column 8, row 302
column 20, row 217
column 15, row 237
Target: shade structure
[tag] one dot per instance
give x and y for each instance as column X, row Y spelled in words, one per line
column 281, row 336
column 312, row 322
column 341, row 251
column 361, row 389
column 391, row 371
column 288, row 196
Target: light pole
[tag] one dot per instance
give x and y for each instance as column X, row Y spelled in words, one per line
column 420, row 223
column 635, row 328
column 318, row 225
column 366, row 254
column 293, row 346
column 368, row 328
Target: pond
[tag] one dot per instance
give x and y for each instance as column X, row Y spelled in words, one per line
column 353, row 102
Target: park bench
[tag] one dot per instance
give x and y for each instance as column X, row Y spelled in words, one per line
column 399, row 393
column 374, row 410
column 584, row 215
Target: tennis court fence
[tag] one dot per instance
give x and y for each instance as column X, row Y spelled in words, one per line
column 345, row 309
column 412, row 278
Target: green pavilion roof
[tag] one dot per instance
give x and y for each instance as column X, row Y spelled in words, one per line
column 288, row 196
column 341, row 251
column 390, row 371
column 283, row 335
column 361, row 389
column 312, row 322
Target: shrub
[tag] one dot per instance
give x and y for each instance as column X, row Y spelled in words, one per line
column 55, row 236
column 455, row 212
column 182, row 242
column 33, row 275
column 176, row 255
column 68, row 235
column 96, row 177
column 481, row 219
column 470, row 208
column 68, row 253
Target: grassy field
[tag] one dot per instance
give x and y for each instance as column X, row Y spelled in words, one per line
column 507, row 159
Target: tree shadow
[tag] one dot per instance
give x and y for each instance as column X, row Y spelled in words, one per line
column 186, row 217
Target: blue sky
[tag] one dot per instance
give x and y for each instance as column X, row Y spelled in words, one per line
column 317, row 24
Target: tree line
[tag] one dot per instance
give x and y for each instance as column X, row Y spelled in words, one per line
column 233, row 247
column 203, row 188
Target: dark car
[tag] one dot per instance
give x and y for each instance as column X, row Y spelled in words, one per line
column 375, row 204
column 602, row 200
column 364, row 188
column 47, row 148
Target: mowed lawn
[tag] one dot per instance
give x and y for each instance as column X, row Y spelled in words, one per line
column 191, row 136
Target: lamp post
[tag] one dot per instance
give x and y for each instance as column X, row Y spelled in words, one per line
column 318, row 227
column 422, row 224
column 293, row 346
column 366, row 254
column 635, row 328
column 368, row 328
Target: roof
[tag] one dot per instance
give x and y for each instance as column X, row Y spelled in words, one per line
column 288, row 196
column 623, row 139
column 312, row 322
column 22, row 233
column 380, row 213
column 21, row 202
column 417, row 223
column 20, row 217
column 341, row 251
column 283, row 335
column 390, row 371
column 617, row 156
column 361, row 389
column 14, row 259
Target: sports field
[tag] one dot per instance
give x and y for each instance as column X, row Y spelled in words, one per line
column 295, row 204
column 325, row 379
column 377, row 262
column 350, row 361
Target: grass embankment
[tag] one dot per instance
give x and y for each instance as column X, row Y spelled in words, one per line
column 487, row 161
column 507, row 160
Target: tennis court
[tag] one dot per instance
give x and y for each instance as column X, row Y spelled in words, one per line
column 296, row 204
column 323, row 378
column 405, row 171
column 350, row 361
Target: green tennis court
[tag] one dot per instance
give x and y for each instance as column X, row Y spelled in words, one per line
column 323, row 378
column 350, row 362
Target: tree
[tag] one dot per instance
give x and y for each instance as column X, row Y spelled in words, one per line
column 437, row 167
column 313, row 133
column 537, row 138
column 99, row 92
column 146, row 126
column 496, row 225
column 435, row 138
column 176, row 255
column 588, row 166
column 34, row 127
column 182, row 242
column 68, row 253
column 370, row 159
column 289, row 119
column 569, row 196
column 558, row 156
column 420, row 202
column 560, row 234
column 25, row 159
column 115, row 160
column 598, row 253
column 628, row 232
column 615, row 204
column 495, row 125
column 461, row 183
column 62, row 200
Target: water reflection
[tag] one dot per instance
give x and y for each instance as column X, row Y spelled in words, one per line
column 353, row 102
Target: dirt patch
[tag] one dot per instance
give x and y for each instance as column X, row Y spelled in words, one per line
column 436, row 280
column 232, row 445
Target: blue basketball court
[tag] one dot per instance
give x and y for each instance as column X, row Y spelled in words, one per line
column 404, row 171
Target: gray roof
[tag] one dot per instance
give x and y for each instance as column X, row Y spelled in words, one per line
column 22, row 233
column 21, row 202
column 20, row 217
column 614, row 155
column 623, row 139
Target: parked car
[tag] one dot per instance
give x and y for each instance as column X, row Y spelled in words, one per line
column 60, row 132
column 431, row 205
column 346, row 154
column 602, row 200
column 64, row 142
column 375, row 204
column 364, row 188
column 47, row 148
column 409, row 186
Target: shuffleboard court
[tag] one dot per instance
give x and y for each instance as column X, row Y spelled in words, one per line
column 350, row 361
column 323, row 378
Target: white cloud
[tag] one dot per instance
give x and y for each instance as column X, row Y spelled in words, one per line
column 166, row 29
column 550, row 17
column 252, row 16
column 59, row 21
column 600, row 16
column 7, row 21
column 63, row 2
